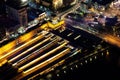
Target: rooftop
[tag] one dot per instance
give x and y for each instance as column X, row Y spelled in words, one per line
column 17, row 4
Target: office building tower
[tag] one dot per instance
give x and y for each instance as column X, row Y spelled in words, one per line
column 17, row 10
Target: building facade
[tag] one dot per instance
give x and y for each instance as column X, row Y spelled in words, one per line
column 17, row 11
column 2, row 7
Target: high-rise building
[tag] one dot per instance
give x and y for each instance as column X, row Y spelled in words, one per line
column 2, row 32
column 2, row 7
column 17, row 10
column 55, row 4
column 68, row 2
